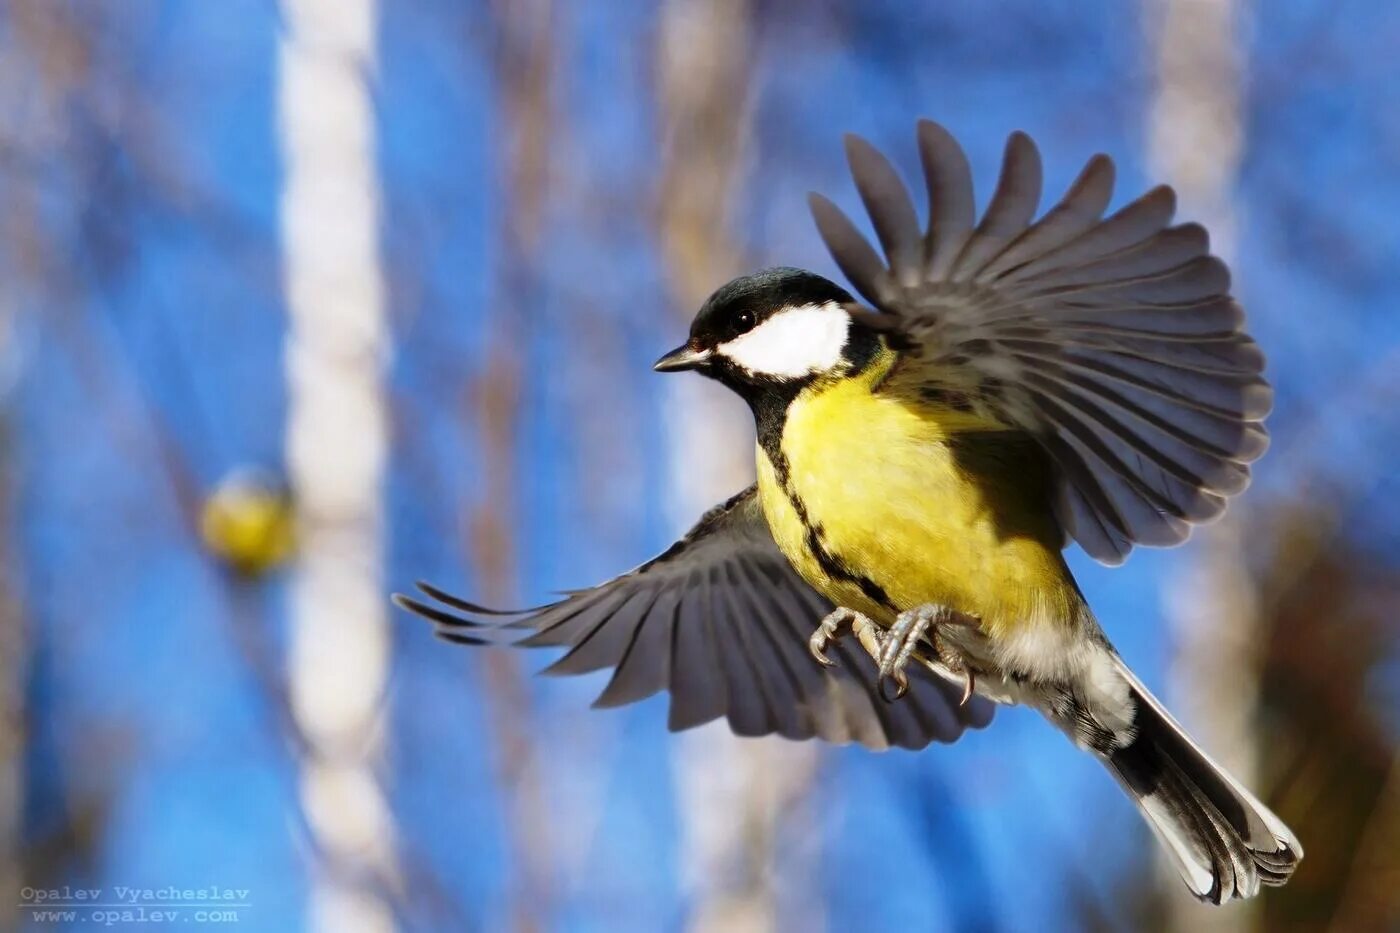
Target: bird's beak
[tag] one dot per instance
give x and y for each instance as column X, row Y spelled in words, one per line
column 682, row 358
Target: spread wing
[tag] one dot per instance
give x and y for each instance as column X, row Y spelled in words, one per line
column 722, row 621
column 1113, row 341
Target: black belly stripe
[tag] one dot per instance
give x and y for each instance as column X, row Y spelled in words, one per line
column 831, row 564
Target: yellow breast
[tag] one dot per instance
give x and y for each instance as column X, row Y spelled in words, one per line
column 884, row 503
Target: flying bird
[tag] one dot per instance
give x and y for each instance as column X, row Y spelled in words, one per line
column 1004, row 385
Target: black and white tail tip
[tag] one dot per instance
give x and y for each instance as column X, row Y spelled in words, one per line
column 1223, row 841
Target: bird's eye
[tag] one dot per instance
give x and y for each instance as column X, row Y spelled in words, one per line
column 745, row 320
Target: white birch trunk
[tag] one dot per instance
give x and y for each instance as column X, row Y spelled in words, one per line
column 1196, row 143
column 336, row 439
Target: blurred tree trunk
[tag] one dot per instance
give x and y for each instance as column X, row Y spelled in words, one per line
column 336, row 440
column 732, row 792
column 523, row 45
column 50, row 832
column 22, row 269
column 13, row 655
column 1329, row 633
column 1196, row 141
column 14, row 658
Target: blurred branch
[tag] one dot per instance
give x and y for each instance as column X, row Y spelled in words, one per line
column 52, row 827
column 704, row 71
column 1325, row 632
column 524, row 50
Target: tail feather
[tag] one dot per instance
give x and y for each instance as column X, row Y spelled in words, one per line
column 1224, row 841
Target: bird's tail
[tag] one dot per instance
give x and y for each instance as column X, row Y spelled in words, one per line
column 1225, row 843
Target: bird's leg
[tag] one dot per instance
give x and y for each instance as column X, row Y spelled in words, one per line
column 871, row 637
column 902, row 640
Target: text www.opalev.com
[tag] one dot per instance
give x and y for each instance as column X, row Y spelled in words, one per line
column 120, row 915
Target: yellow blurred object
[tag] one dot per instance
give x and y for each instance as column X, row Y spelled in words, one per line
column 248, row 523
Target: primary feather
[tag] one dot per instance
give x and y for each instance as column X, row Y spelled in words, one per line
column 1112, row 341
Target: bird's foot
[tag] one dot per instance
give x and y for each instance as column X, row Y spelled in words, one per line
column 871, row 637
column 892, row 650
column 902, row 641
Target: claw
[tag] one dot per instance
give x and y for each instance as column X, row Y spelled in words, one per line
column 968, row 687
column 901, row 686
column 829, row 630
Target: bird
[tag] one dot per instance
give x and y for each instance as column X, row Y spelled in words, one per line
column 998, row 387
column 249, row 523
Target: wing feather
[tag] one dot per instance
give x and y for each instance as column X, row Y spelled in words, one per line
column 1169, row 485
column 566, row 622
column 1080, row 210
column 856, row 257
column 891, row 212
column 1163, row 252
column 781, row 668
column 606, row 640
column 1011, row 210
column 645, row 666
column 951, row 210
column 697, row 678
column 766, row 673
column 1127, row 230
column 1213, row 319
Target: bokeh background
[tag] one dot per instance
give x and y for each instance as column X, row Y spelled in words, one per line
column 388, row 280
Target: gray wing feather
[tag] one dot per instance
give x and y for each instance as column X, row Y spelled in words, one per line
column 1010, row 211
column 644, row 666
column 853, row 253
column 1112, row 340
column 951, row 210
column 696, row 670
column 1079, row 211
column 1124, row 232
column 721, row 620
column 887, row 203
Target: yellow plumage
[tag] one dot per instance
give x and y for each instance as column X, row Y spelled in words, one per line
column 931, row 504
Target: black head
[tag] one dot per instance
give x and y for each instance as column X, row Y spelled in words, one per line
column 778, row 326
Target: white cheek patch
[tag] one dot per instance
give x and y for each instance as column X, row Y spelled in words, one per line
column 793, row 343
